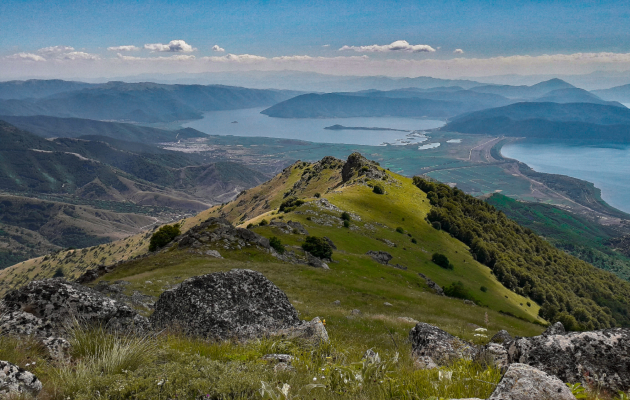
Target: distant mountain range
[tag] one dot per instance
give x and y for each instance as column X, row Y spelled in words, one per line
column 444, row 102
column 618, row 93
column 548, row 120
column 131, row 102
column 52, row 127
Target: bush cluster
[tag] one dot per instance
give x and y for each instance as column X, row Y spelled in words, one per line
column 276, row 244
column 163, row 236
column 290, row 204
column 442, row 261
column 318, row 247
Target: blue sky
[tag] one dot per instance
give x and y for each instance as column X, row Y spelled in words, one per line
column 482, row 29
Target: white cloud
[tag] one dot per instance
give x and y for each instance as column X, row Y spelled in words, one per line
column 216, row 47
column 239, row 58
column 123, row 48
column 174, row 46
column 458, row 51
column 399, row 45
column 26, row 56
column 52, row 50
column 326, row 45
column 78, row 55
column 178, row 57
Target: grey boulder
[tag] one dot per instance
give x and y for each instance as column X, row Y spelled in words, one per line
column 15, row 381
column 56, row 304
column 501, row 337
column 240, row 304
column 522, row 382
column 432, row 345
column 381, row 257
column 601, row 357
column 555, row 329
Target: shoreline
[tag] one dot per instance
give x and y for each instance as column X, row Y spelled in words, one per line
column 551, row 179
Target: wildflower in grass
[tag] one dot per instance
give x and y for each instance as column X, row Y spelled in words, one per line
column 481, row 330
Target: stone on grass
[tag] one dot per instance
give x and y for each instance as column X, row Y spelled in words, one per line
column 15, row 381
column 442, row 347
column 386, row 304
column 336, row 302
column 355, row 312
column 436, row 288
column 213, row 253
column 381, row 257
column 314, row 331
column 240, row 303
column 58, row 348
column 315, row 262
column 522, row 382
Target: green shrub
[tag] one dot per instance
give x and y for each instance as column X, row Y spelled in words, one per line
column 414, row 241
column 250, row 225
column 437, row 225
column 400, row 230
column 346, row 216
column 59, row 273
column 318, row 247
column 263, row 222
column 317, row 195
column 163, row 236
column 346, row 224
column 457, row 289
column 276, row 244
column 484, row 289
column 442, row 261
column 378, row 189
column 290, row 204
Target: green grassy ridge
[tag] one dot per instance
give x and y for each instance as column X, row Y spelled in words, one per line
column 570, row 290
column 572, row 233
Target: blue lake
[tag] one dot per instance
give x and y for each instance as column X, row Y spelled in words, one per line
column 605, row 165
column 251, row 122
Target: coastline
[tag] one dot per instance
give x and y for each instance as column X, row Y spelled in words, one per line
column 582, row 191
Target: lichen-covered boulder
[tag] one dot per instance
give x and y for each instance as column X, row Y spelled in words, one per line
column 555, row 329
column 240, row 303
column 15, row 381
column 522, row 382
column 56, row 304
column 600, row 357
column 381, row 257
column 501, row 337
column 442, row 347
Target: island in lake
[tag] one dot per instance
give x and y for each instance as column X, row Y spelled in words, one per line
column 360, row 128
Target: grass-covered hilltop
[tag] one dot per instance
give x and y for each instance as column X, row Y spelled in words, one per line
column 384, row 253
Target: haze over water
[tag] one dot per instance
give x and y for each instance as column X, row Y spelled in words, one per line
column 251, row 122
column 605, row 165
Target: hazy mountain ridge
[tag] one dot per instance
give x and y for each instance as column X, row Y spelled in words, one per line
column 143, row 102
column 51, row 127
column 548, row 120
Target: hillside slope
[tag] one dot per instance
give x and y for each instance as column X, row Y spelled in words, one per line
column 53, row 127
column 394, row 222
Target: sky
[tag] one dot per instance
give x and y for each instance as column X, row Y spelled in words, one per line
column 396, row 38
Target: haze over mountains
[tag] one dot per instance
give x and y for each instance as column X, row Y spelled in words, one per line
column 133, row 102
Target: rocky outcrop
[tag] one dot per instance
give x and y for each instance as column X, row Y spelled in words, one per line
column 289, row 227
column 432, row 345
column 436, row 288
column 501, row 337
column 56, row 304
column 522, row 382
column 381, row 257
column 219, row 232
column 361, row 166
column 314, row 261
column 596, row 357
column 240, row 303
column 15, row 381
column 555, row 329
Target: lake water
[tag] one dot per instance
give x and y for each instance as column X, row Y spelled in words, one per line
column 605, row 165
column 251, row 122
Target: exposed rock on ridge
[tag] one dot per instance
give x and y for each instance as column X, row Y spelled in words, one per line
column 240, row 303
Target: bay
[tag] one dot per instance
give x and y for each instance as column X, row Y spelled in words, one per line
column 250, row 122
column 605, row 165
